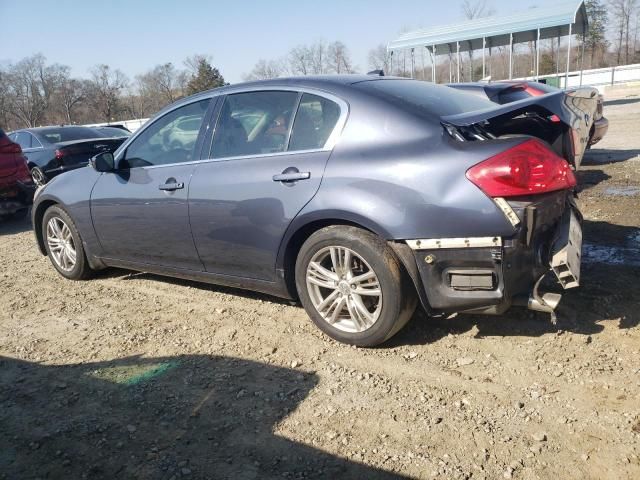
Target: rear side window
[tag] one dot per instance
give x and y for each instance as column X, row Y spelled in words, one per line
column 254, row 123
column 423, row 97
column 24, row 140
column 314, row 122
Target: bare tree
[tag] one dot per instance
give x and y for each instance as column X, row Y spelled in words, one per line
column 318, row 57
column 622, row 11
column 300, row 60
column 4, row 100
column 338, row 59
column 266, row 69
column 475, row 9
column 71, row 92
column 472, row 9
column 31, row 84
column 106, row 87
column 162, row 84
column 379, row 59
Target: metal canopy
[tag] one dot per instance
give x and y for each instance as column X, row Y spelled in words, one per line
column 564, row 18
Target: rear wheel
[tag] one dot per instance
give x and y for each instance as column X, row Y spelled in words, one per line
column 64, row 245
column 38, row 176
column 352, row 286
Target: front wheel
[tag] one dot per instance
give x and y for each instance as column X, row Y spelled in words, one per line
column 64, row 245
column 352, row 286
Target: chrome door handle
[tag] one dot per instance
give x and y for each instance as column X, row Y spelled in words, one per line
column 291, row 176
column 170, row 187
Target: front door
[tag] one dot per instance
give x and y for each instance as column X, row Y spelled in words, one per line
column 268, row 155
column 140, row 212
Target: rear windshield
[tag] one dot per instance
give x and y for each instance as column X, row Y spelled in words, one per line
column 437, row 100
column 113, row 132
column 67, row 134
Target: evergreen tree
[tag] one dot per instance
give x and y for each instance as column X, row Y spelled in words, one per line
column 206, row 77
column 595, row 40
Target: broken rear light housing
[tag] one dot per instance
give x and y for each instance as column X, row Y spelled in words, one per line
column 529, row 168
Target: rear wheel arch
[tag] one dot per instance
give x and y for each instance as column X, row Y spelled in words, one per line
column 300, row 233
column 371, row 263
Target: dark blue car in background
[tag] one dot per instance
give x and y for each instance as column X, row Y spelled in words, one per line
column 360, row 196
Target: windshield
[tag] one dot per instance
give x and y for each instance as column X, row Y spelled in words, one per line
column 425, row 97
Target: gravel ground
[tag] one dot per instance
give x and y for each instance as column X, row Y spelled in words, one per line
column 136, row 376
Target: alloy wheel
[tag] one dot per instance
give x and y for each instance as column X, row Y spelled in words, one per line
column 344, row 289
column 38, row 177
column 61, row 244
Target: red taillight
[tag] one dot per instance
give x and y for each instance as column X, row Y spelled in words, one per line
column 10, row 148
column 529, row 168
column 59, row 154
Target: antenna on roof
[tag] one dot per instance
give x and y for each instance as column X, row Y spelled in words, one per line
column 379, row 73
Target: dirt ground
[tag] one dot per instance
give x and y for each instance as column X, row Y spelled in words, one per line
column 137, row 376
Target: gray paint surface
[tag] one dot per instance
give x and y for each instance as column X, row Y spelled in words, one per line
column 393, row 172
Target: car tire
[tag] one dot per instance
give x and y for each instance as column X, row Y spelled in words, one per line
column 38, row 177
column 64, row 245
column 374, row 299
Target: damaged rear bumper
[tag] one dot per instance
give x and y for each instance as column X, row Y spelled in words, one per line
column 488, row 275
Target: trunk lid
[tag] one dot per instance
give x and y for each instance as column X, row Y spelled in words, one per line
column 78, row 151
column 563, row 119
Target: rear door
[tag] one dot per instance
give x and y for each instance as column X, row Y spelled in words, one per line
column 140, row 211
column 268, row 154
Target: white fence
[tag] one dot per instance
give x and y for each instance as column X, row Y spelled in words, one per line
column 597, row 77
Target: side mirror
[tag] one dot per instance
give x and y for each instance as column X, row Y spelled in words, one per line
column 103, row 162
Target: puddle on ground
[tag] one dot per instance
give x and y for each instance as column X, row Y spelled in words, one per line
column 614, row 255
column 133, row 374
column 622, row 191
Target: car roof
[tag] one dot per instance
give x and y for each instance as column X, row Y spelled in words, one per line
column 311, row 81
column 320, row 82
column 39, row 129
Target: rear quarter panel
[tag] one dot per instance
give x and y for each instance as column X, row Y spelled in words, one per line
column 403, row 177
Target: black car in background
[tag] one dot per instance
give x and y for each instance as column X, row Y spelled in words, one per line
column 512, row 91
column 54, row 150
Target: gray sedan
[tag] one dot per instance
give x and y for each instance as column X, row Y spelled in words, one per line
column 360, row 196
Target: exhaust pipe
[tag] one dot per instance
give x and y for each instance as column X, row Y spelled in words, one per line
column 547, row 302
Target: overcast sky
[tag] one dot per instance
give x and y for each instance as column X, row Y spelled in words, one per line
column 136, row 35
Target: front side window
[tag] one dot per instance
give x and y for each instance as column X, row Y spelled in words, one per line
column 170, row 139
column 254, row 123
column 314, row 122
